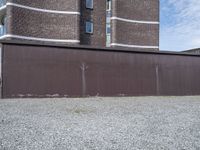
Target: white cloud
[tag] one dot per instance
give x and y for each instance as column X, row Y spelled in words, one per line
column 183, row 32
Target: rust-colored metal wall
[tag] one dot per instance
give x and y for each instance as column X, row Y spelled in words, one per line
column 47, row 71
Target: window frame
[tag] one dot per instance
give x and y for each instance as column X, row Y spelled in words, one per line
column 108, row 28
column 90, row 6
column 89, row 22
column 108, row 5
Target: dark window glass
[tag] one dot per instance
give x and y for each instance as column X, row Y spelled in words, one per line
column 89, row 27
column 89, row 4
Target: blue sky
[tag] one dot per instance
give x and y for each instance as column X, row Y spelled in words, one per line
column 179, row 24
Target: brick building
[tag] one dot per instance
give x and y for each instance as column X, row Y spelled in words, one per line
column 97, row 23
column 193, row 51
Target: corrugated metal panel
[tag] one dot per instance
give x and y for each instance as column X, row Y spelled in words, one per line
column 45, row 71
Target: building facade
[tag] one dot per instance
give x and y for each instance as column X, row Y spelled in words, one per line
column 193, row 51
column 97, row 23
column 135, row 24
column 42, row 20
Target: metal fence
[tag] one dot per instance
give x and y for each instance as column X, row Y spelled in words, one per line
column 53, row 71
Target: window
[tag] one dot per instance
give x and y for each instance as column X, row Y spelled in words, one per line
column 108, row 5
column 89, row 27
column 108, row 21
column 1, row 30
column 108, row 40
column 108, row 16
column 108, row 29
column 89, row 4
column 3, row 27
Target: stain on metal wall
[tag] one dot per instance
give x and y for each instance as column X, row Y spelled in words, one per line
column 46, row 71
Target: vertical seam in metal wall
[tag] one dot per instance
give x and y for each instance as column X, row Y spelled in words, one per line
column 2, row 70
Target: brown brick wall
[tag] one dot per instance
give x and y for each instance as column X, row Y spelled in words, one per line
column 61, row 5
column 139, row 34
column 37, row 24
column 98, row 16
column 31, row 23
column 147, row 10
column 44, row 25
column 135, row 33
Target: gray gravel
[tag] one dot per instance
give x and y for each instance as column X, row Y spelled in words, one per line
column 100, row 123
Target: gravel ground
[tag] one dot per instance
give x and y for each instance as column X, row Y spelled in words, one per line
column 100, row 124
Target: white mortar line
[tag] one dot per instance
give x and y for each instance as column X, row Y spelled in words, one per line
column 38, row 39
column 2, row 7
column 134, row 21
column 133, row 46
column 42, row 10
